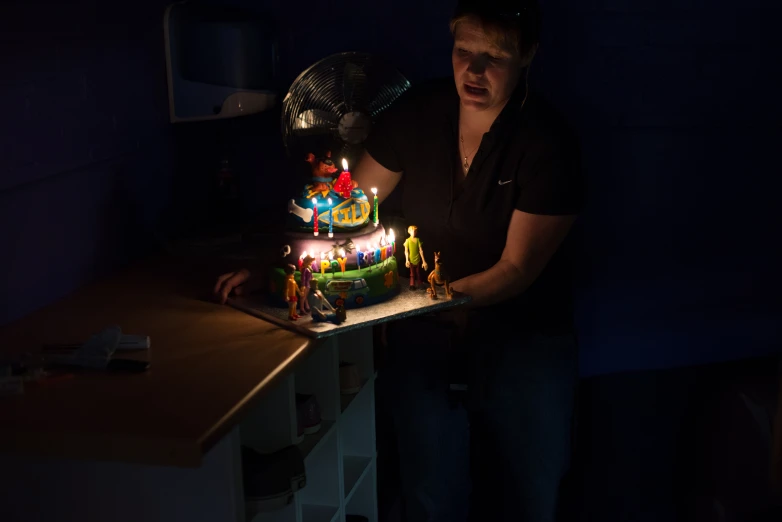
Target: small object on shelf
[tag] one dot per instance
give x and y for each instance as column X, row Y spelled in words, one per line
column 438, row 278
column 126, row 342
column 292, row 292
column 11, row 385
column 270, row 480
column 349, row 380
column 307, row 414
column 414, row 256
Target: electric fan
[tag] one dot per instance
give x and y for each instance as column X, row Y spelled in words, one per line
column 332, row 104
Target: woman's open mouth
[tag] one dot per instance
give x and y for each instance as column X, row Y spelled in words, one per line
column 475, row 90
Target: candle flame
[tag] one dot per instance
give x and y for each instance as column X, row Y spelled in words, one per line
column 314, row 201
column 330, row 256
column 329, row 201
column 391, row 234
column 374, row 190
column 344, row 164
column 341, row 252
column 303, row 255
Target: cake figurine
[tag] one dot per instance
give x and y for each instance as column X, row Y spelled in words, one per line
column 341, row 315
column 414, row 256
column 323, row 170
column 438, row 278
column 292, row 292
column 306, row 279
column 317, row 301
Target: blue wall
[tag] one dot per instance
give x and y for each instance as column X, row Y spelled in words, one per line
column 85, row 155
column 676, row 103
column 678, row 109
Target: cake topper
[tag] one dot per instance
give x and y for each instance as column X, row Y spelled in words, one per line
column 414, row 256
column 438, row 278
column 323, row 170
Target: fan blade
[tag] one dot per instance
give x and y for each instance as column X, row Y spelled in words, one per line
column 316, row 119
column 354, row 86
column 387, row 94
column 351, row 152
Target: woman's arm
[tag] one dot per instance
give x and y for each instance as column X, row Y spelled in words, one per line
column 369, row 173
column 531, row 241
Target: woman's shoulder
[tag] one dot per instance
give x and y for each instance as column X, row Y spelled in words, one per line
column 545, row 123
column 428, row 95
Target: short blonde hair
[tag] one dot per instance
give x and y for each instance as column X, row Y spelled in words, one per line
column 506, row 38
column 411, row 229
column 519, row 33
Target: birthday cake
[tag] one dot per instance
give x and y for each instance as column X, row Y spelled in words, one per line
column 333, row 237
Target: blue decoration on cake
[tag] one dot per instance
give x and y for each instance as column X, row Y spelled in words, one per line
column 349, row 210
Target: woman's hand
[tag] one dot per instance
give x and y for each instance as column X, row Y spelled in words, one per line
column 232, row 281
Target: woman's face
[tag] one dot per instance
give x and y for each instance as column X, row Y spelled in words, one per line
column 485, row 74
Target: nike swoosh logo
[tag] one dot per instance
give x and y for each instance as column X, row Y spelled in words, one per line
column 500, row 182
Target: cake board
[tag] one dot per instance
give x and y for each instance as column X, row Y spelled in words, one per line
column 405, row 304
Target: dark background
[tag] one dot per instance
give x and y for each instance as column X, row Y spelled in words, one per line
column 677, row 103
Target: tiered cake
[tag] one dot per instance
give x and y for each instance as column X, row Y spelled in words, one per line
column 333, row 226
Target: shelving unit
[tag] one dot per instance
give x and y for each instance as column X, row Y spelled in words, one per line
column 339, row 459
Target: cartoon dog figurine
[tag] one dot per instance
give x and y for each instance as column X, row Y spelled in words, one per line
column 438, row 278
column 323, row 170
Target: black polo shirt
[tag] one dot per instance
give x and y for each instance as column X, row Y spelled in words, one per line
column 528, row 160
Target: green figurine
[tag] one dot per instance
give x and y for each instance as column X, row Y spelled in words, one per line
column 414, row 257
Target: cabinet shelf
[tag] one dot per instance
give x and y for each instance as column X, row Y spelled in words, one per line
column 355, row 468
column 345, row 400
column 312, row 443
column 312, row 513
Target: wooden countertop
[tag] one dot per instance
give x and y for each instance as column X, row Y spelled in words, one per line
column 207, row 363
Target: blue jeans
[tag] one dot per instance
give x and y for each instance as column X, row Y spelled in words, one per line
column 500, row 452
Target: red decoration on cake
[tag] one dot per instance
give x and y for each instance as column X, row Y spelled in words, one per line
column 345, row 184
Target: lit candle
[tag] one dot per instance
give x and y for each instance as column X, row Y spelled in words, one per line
column 301, row 259
column 323, row 266
column 377, row 255
column 369, row 256
column 392, row 239
column 331, row 219
column 359, row 258
column 315, row 216
column 374, row 191
column 342, row 260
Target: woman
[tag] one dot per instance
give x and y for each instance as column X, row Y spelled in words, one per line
column 490, row 177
